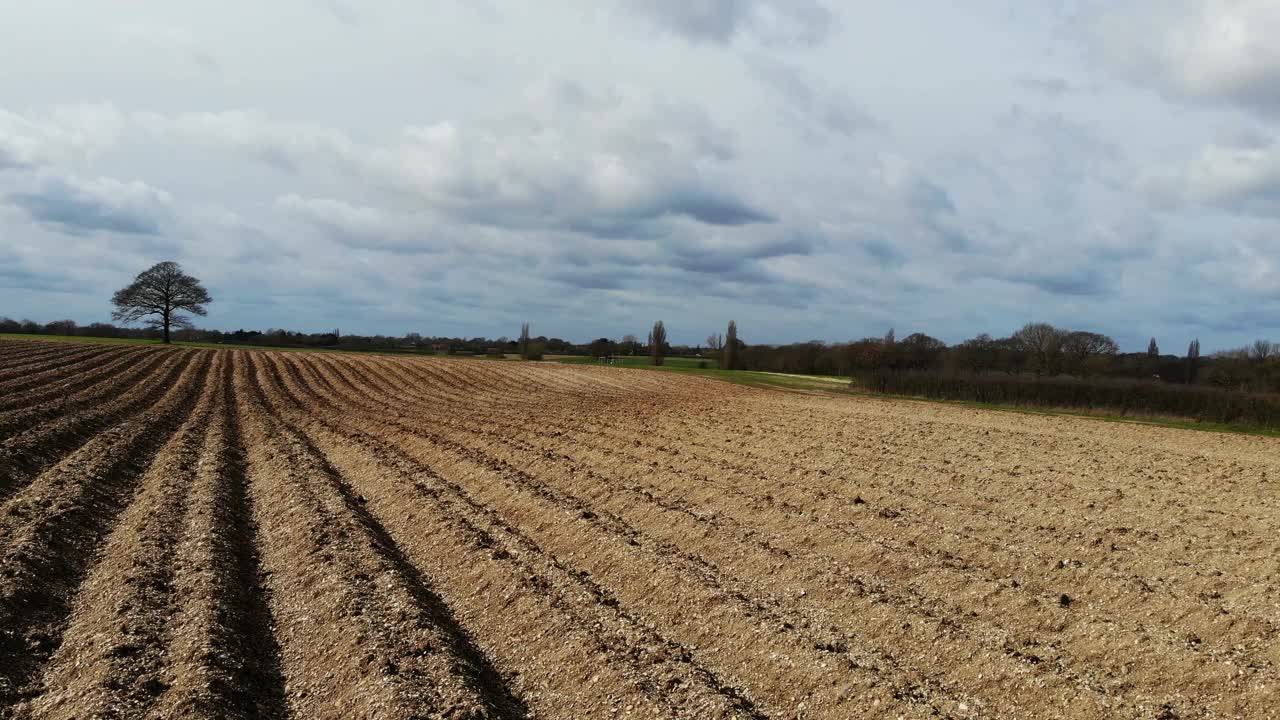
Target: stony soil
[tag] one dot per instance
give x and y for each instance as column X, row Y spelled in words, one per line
column 226, row 534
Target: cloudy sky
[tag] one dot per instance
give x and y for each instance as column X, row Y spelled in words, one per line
column 812, row 168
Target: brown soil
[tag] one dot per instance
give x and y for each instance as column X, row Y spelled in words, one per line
column 225, row 534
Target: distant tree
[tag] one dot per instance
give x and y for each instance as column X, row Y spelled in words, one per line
column 630, row 344
column 715, row 342
column 1153, row 349
column 730, row 356
column 1262, row 350
column 1042, row 344
column 1193, row 360
column 99, row 329
column 1088, row 352
column 1230, row 369
column 889, row 355
column 975, row 355
column 161, row 293
column 658, row 342
column 920, row 351
column 601, row 347
column 1082, row 344
column 523, row 344
column 61, row 327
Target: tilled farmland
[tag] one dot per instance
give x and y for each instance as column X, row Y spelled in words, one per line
column 224, row 534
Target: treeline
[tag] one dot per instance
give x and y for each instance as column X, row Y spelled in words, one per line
column 1037, row 350
column 1043, row 366
column 276, row 337
column 1128, row 397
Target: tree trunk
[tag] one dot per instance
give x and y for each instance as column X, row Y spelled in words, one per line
column 165, row 319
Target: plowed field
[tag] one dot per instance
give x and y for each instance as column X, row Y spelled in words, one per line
column 219, row 534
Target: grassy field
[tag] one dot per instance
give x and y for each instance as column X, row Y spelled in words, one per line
column 1100, row 414
column 841, row 386
column 685, row 363
column 690, row 366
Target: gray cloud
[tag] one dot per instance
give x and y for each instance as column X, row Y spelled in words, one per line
column 19, row 279
column 711, row 208
column 107, row 205
column 1088, row 281
column 595, row 279
column 9, row 160
column 735, row 257
column 884, row 252
column 343, row 11
column 1047, row 84
column 362, row 227
column 804, row 22
column 805, row 107
column 926, row 197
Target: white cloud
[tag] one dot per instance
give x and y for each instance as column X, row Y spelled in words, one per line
column 284, row 145
column 623, row 159
column 1235, row 173
column 572, row 160
column 1222, row 51
column 1231, row 173
column 64, row 134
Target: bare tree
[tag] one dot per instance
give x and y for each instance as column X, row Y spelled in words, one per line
column 524, row 341
column 920, row 351
column 1086, row 351
column 976, row 354
column 658, row 342
column 729, row 357
column 1153, row 349
column 161, row 293
column 715, row 342
column 61, row 327
column 1082, row 344
column 1262, row 350
column 1043, row 343
column 889, row 339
